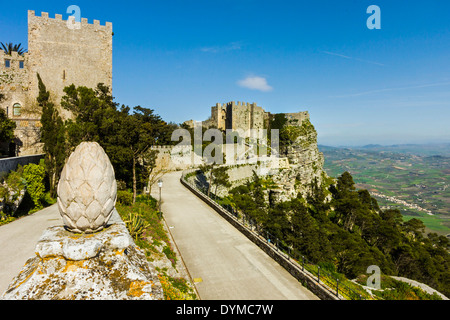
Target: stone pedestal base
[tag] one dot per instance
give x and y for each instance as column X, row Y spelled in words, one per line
column 106, row 265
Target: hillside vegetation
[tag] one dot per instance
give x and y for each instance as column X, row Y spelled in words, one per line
column 348, row 233
column 412, row 178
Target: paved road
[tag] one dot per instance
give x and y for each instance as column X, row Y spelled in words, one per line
column 18, row 240
column 230, row 266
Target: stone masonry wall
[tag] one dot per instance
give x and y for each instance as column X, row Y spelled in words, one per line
column 64, row 56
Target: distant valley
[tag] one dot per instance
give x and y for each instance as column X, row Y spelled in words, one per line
column 412, row 178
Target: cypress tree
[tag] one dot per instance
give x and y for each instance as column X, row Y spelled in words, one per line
column 53, row 137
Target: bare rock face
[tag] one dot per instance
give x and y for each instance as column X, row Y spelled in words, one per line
column 87, row 189
column 305, row 163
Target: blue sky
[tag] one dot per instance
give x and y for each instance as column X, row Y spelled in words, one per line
column 361, row 86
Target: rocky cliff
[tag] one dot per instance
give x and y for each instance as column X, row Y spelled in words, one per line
column 300, row 163
column 298, row 143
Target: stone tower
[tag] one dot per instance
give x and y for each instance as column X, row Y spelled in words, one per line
column 62, row 56
column 240, row 115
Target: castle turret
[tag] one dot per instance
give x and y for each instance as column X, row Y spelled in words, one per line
column 65, row 55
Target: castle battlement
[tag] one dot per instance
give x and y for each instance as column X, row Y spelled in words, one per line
column 59, row 17
column 13, row 56
column 244, row 115
column 236, row 104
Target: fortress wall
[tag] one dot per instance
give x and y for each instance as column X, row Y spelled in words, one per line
column 10, row 164
column 297, row 118
column 64, row 56
column 243, row 115
column 14, row 83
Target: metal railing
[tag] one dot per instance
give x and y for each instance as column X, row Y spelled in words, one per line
column 322, row 276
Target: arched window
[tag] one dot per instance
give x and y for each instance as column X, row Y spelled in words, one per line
column 17, row 109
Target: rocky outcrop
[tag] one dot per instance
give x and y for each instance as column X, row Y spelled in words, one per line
column 305, row 162
column 299, row 163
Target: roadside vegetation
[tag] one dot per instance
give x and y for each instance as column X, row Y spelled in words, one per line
column 145, row 225
column 23, row 192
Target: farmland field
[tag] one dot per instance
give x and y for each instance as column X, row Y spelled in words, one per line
column 413, row 178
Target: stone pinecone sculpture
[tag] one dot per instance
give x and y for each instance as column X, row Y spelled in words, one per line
column 87, row 189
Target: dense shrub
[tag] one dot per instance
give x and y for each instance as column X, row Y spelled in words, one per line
column 34, row 175
column 124, row 197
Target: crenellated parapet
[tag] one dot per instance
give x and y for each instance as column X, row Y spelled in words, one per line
column 59, row 17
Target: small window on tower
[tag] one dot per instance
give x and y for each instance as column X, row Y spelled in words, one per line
column 16, row 109
column 64, row 74
column 7, row 63
column 21, row 64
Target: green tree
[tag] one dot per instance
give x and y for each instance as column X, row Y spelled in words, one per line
column 125, row 134
column 7, row 127
column 94, row 111
column 414, row 228
column 220, row 177
column 277, row 222
column 318, row 206
column 53, row 137
column 133, row 135
column 34, row 175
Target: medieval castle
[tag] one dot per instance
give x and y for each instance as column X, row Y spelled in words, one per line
column 62, row 56
column 246, row 116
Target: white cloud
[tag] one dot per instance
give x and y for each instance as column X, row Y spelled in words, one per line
column 255, row 83
column 229, row 47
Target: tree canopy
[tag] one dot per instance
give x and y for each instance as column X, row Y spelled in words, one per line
column 350, row 232
column 126, row 134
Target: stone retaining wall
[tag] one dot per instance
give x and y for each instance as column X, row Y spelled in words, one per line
column 10, row 164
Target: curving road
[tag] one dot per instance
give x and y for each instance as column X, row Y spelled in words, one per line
column 223, row 262
column 18, row 240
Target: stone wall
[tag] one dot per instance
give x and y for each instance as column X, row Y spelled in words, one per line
column 10, row 164
column 14, row 83
column 64, row 56
column 297, row 118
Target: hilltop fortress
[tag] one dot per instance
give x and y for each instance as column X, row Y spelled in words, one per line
column 244, row 115
column 62, row 56
column 297, row 165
